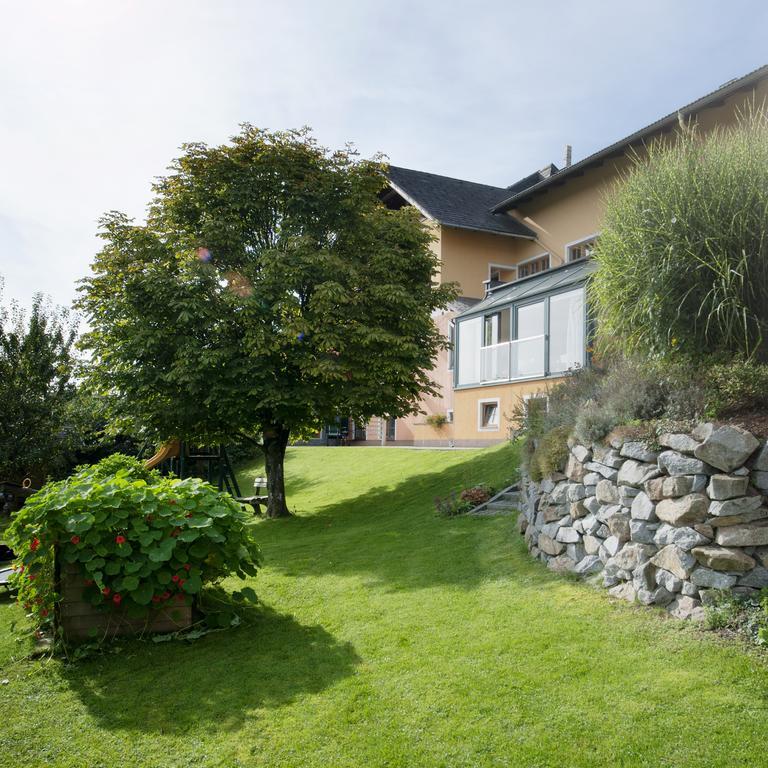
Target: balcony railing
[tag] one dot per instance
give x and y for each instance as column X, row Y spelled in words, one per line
column 518, row 359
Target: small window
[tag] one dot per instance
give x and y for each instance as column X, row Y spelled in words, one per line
column 533, row 267
column 581, row 251
column 451, row 345
column 488, row 415
column 449, row 415
column 494, row 275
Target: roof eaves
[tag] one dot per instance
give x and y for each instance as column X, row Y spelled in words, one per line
column 731, row 87
column 410, row 199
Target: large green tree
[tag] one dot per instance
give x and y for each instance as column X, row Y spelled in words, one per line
column 268, row 292
column 36, row 389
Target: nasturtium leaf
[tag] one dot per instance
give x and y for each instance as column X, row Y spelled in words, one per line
column 190, row 534
column 129, row 583
column 142, row 594
column 163, row 576
column 112, row 568
column 192, row 585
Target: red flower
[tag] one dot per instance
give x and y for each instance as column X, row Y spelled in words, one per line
column 189, row 514
column 171, row 501
column 187, row 566
column 175, row 578
column 34, row 544
column 156, row 598
column 180, row 597
column 105, row 591
column 181, row 582
column 165, row 595
column 75, row 539
column 120, row 539
column 32, row 576
column 21, row 568
column 117, row 598
column 88, row 582
column 175, row 532
column 44, row 612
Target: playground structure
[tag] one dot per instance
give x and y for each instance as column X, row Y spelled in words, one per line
column 213, row 465
column 185, row 460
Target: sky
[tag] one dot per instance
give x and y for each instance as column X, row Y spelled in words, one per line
column 97, row 96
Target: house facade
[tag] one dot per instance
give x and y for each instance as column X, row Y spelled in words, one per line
column 521, row 256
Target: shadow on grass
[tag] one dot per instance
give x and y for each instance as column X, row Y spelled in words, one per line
column 215, row 683
column 393, row 533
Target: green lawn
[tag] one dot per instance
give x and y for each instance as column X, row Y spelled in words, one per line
column 390, row 637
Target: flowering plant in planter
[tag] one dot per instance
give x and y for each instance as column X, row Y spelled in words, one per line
column 139, row 540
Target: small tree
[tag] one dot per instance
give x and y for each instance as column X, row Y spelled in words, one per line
column 269, row 292
column 36, row 389
column 683, row 252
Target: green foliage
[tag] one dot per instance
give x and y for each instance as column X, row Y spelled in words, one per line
column 550, row 453
column 683, row 252
column 139, row 539
column 437, row 420
column 736, row 386
column 36, row 390
column 269, row 292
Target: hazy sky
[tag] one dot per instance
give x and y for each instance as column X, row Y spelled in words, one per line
column 96, row 96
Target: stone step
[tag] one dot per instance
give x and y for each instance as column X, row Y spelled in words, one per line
column 501, row 505
column 510, row 496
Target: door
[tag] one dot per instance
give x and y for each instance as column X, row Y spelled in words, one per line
column 391, row 423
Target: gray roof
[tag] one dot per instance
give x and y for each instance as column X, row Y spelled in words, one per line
column 530, row 287
column 619, row 148
column 455, row 202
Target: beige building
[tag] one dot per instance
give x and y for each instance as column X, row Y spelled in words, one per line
column 520, row 255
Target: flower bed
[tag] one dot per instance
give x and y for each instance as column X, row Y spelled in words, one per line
column 116, row 548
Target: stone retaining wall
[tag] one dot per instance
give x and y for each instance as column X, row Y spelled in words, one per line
column 661, row 526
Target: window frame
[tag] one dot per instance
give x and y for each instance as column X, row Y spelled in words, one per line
column 574, row 244
column 481, row 403
column 544, row 255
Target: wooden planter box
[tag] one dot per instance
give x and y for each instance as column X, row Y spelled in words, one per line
column 78, row 618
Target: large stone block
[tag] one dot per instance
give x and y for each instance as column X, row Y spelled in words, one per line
column 624, row 591
column 722, row 558
column 618, row 525
column 675, row 560
column 727, row 447
column 588, row 565
column 643, row 508
column 591, row 544
column 759, row 460
column 561, row 564
column 608, row 456
column 678, row 442
column 553, row 512
column 710, row 579
column 642, row 532
column 745, row 517
column 754, row 535
column 607, row 472
column 683, row 511
column 668, row 581
column 581, row 453
column 735, row 506
column 686, row 608
column 686, row 538
column 559, row 494
column 635, row 473
column 630, row 556
column 549, row 545
column 726, row 487
column 606, row 492
column 674, row 463
column 760, row 480
column 757, row 578
column 576, row 492
column 577, row 510
column 567, row 536
column 639, row 451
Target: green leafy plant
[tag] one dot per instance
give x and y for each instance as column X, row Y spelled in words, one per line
column 736, row 386
column 437, row 420
column 139, row 540
column 683, row 251
column 451, row 505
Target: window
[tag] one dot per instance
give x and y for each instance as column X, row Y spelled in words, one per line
column 533, row 266
column 566, row 331
column 451, row 345
column 470, row 336
column 580, row 250
column 494, row 275
column 528, row 353
column 449, row 415
column 488, row 415
column 496, row 328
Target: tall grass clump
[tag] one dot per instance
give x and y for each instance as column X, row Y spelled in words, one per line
column 683, row 253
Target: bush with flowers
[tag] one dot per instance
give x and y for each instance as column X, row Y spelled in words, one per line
column 140, row 540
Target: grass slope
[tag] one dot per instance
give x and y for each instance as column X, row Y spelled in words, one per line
column 390, row 637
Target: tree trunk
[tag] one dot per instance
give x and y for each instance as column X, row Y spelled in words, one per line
column 275, row 443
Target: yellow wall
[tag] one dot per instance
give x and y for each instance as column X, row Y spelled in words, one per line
column 466, row 255
column 466, row 406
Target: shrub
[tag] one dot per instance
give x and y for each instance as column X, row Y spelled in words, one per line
column 476, row 495
column 550, row 453
column 138, row 539
column 451, row 505
column 437, row 420
column 683, row 252
column 736, row 386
